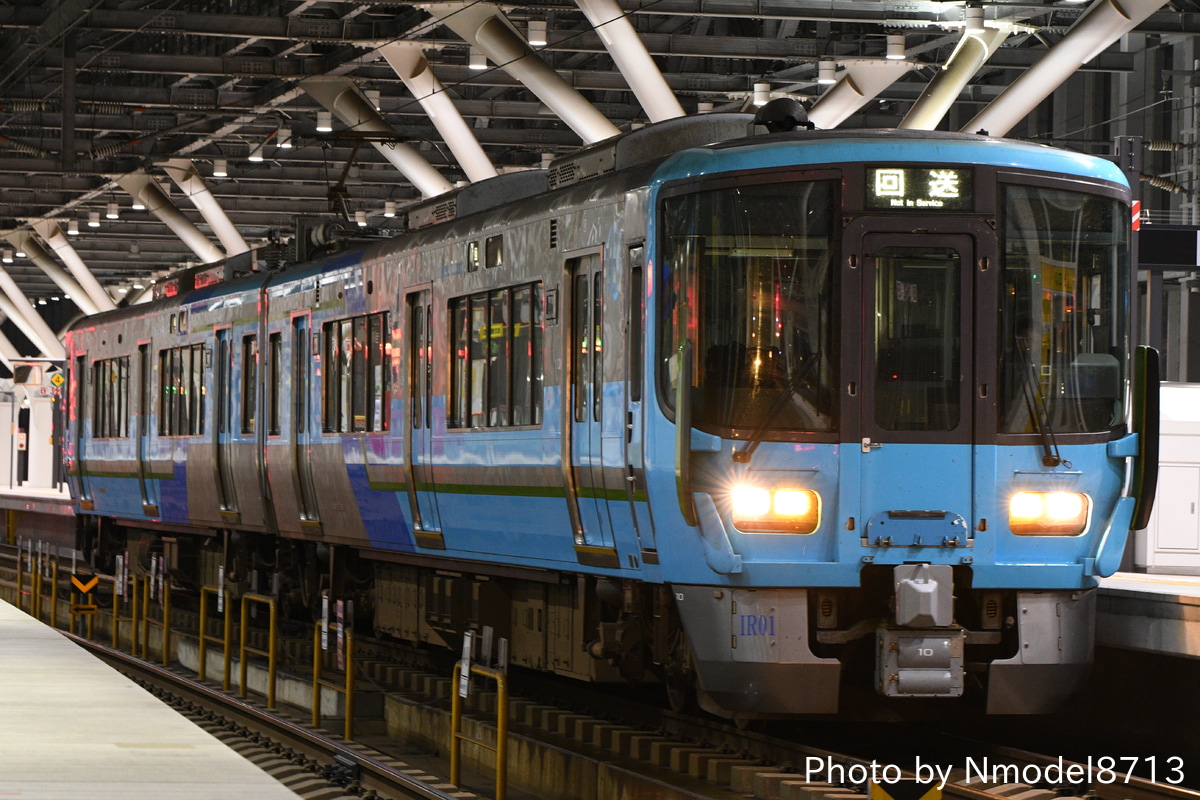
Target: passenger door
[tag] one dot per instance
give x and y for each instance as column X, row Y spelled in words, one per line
column 306, row 495
column 226, row 485
column 422, row 489
column 145, row 384
column 583, row 413
column 910, row 378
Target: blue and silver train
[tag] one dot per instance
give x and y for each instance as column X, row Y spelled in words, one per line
column 794, row 423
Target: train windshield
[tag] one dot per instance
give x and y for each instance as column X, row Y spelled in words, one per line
column 752, row 284
column 1064, row 347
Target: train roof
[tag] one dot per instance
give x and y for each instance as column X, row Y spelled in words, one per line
column 888, row 145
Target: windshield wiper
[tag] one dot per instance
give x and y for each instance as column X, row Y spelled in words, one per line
column 743, row 456
column 1035, row 403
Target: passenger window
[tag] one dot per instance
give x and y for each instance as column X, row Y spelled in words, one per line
column 355, row 375
column 111, row 393
column 274, row 382
column 473, row 257
column 249, row 382
column 494, row 252
column 496, row 364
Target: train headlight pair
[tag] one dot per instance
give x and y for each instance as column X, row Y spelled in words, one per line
column 775, row 510
column 1048, row 513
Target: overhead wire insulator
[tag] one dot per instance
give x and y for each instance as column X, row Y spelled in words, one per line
column 105, row 108
column 25, row 147
column 1164, row 146
column 19, row 106
column 1165, row 184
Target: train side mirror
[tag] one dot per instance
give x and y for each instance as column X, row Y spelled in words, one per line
column 1146, row 426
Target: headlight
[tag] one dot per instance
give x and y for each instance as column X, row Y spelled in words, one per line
column 1048, row 513
column 775, row 510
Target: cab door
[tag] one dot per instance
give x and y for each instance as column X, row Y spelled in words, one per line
column 911, row 378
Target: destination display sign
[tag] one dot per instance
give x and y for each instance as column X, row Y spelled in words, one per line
column 920, row 188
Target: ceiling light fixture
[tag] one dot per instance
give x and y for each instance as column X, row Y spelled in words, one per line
column 220, row 168
column 93, row 219
column 703, row 107
column 113, row 211
column 72, row 227
column 8, row 256
column 256, row 154
column 389, row 208
column 373, row 99
column 20, row 252
column 284, row 138
column 324, row 122
column 895, row 46
column 537, row 33
column 478, row 60
column 361, row 218
column 762, row 94
column 137, row 205
column 826, row 72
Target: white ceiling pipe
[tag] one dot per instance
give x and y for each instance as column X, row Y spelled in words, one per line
column 1101, row 25
column 35, row 328
column 183, row 171
column 52, row 233
column 24, row 241
column 862, row 81
column 485, row 27
column 632, row 58
column 158, row 204
column 8, row 353
column 411, row 65
column 10, row 311
column 343, row 98
column 971, row 53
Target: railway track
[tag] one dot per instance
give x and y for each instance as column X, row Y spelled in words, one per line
column 576, row 744
column 314, row 763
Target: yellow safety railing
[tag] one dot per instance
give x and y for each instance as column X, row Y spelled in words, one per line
column 272, row 645
column 226, row 641
column 457, row 737
column 164, row 624
column 346, row 689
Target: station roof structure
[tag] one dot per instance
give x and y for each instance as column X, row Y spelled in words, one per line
column 352, row 111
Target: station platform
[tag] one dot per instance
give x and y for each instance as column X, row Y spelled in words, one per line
column 1151, row 613
column 73, row 727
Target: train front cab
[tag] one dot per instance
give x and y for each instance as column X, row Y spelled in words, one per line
column 906, row 450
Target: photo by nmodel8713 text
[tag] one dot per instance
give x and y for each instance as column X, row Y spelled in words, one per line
column 792, row 423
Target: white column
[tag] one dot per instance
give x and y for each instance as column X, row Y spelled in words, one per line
column 1101, row 25
column 49, row 230
column 343, row 98
column 26, row 243
column 632, row 58
column 484, row 26
column 183, row 171
column 16, row 305
column 158, row 204
column 971, row 53
column 861, row 83
column 411, row 65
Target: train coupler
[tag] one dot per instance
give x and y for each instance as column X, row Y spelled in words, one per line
column 920, row 663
